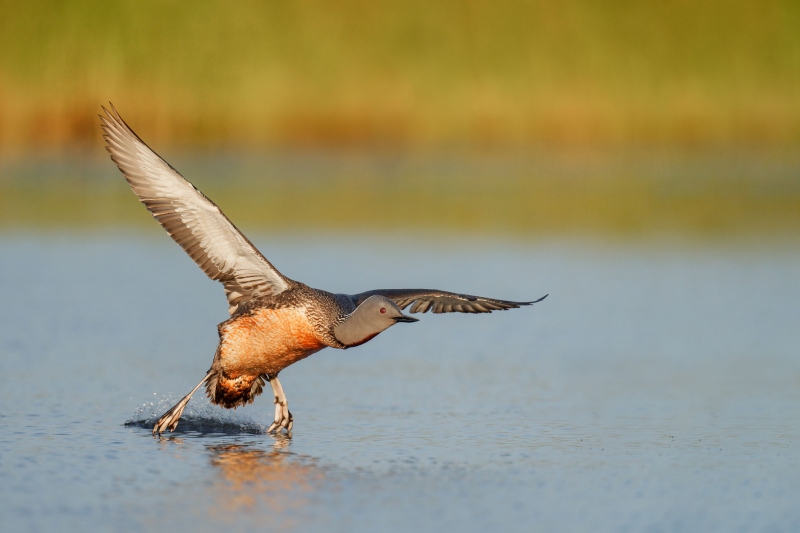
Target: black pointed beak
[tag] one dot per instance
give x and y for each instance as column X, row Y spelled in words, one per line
column 405, row 318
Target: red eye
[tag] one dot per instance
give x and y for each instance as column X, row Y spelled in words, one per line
column 383, row 310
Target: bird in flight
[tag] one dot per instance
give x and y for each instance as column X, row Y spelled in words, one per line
column 275, row 321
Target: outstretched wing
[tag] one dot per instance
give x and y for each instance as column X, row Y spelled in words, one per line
column 191, row 219
column 424, row 300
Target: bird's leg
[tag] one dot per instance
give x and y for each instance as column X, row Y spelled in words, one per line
column 169, row 420
column 283, row 418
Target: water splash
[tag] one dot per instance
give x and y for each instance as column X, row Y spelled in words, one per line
column 199, row 416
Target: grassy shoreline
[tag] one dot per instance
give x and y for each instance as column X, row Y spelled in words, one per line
column 353, row 73
column 635, row 195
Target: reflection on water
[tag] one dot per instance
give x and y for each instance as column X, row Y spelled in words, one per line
column 247, row 477
column 244, row 483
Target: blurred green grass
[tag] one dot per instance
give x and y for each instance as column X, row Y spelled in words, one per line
column 519, row 117
column 607, row 194
column 410, row 74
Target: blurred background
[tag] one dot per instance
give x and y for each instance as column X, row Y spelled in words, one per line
column 638, row 161
column 522, row 118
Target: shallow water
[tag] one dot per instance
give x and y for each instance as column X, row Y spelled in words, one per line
column 657, row 388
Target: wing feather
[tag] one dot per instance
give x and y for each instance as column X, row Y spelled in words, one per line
column 191, row 219
column 424, row 300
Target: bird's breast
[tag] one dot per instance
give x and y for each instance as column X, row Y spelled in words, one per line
column 265, row 341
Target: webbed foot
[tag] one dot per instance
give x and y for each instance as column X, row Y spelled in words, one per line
column 169, row 420
column 283, row 417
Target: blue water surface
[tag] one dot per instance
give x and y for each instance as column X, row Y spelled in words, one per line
column 656, row 389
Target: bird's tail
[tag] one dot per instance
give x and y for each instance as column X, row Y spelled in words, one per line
column 234, row 391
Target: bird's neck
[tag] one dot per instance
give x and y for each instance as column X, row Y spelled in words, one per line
column 356, row 330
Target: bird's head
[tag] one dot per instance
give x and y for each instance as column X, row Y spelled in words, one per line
column 374, row 315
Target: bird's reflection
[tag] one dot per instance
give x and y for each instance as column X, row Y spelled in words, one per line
column 270, row 480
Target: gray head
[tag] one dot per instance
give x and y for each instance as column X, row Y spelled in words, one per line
column 374, row 315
